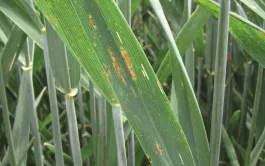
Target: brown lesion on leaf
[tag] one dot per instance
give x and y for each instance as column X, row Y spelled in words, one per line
column 262, row 32
column 53, row 19
column 128, row 62
column 158, row 148
column 116, row 64
column 92, row 21
column 107, row 72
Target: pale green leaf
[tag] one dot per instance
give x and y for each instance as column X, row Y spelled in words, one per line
column 97, row 34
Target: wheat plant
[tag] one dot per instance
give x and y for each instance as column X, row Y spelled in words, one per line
column 132, row 82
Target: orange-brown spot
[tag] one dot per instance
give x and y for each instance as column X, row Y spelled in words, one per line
column 92, row 21
column 128, row 62
column 54, row 20
column 116, row 64
column 263, row 33
column 158, row 149
column 107, row 72
column 132, row 74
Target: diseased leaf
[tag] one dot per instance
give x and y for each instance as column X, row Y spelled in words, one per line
column 100, row 38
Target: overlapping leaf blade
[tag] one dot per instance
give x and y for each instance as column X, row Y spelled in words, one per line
column 184, row 39
column 21, row 126
column 95, row 31
column 61, row 62
column 248, row 35
column 14, row 10
column 5, row 28
column 253, row 5
column 188, row 110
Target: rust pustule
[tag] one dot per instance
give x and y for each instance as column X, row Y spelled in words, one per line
column 263, row 33
column 158, row 149
column 92, row 21
column 116, row 64
column 107, row 72
column 53, row 19
column 128, row 62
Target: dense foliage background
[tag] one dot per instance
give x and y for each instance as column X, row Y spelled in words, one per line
column 132, row 82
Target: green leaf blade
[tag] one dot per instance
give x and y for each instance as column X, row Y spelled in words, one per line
column 102, row 35
column 248, row 35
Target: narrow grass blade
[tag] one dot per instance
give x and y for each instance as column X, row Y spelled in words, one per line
column 31, row 99
column 16, row 12
column 242, row 131
column 120, row 142
column 10, row 50
column 39, row 97
column 254, row 115
column 211, row 33
column 73, row 130
column 93, row 117
column 184, row 39
column 102, row 133
column 260, row 120
column 112, row 147
column 54, row 108
column 219, row 82
column 5, row 28
column 255, row 154
column 188, row 109
column 7, row 124
column 228, row 109
column 189, row 58
column 99, row 30
column 230, row 150
column 131, row 149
